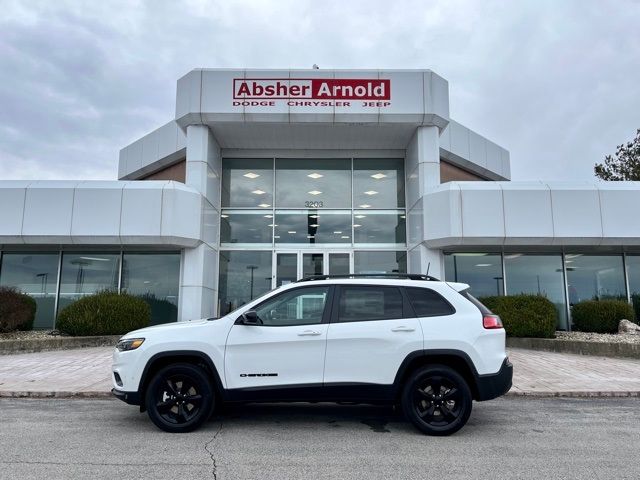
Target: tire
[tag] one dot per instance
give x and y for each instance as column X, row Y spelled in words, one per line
column 173, row 410
column 437, row 400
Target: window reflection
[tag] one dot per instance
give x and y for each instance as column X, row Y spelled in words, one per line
column 35, row 274
column 378, row 183
column 312, row 226
column 380, row 262
column 481, row 271
column 154, row 277
column 313, row 183
column 244, row 275
column 247, row 183
column 246, row 226
column 87, row 273
column 633, row 272
column 538, row 275
column 379, row 226
column 594, row 277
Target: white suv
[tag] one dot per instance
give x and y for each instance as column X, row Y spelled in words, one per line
column 394, row 339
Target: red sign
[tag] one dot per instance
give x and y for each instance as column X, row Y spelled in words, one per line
column 313, row 88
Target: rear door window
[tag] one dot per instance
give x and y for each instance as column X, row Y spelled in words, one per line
column 364, row 303
column 428, row 303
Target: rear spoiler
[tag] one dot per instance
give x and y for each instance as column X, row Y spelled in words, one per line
column 458, row 287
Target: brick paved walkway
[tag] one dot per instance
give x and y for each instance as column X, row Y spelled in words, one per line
column 87, row 372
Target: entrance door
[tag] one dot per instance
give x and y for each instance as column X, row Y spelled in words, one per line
column 292, row 265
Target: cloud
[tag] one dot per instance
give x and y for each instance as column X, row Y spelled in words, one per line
column 557, row 83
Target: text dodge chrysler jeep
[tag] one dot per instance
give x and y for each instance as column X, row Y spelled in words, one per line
column 403, row 339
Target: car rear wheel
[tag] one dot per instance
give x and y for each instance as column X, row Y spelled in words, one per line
column 437, row 400
column 179, row 398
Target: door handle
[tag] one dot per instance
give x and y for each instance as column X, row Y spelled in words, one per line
column 308, row 333
column 402, row 328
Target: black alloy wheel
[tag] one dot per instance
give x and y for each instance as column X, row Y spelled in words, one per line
column 437, row 400
column 179, row 398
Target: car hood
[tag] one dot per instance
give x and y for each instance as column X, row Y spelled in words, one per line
column 166, row 328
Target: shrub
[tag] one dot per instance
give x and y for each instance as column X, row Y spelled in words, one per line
column 601, row 316
column 104, row 313
column 525, row 315
column 17, row 310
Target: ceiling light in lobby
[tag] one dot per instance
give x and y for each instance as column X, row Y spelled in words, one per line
column 378, row 176
column 365, row 205
column 259, row 192
column 315, row 175
column 314, row 192
column 251, row 175
column 264, row 205
column 370, row 192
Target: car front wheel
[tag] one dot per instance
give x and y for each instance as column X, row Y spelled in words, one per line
column 179, row 398
column 437, row 400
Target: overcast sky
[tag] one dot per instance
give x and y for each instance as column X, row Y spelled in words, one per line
column 557, row 83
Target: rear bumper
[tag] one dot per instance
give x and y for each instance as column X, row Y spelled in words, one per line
column 496, row 384
column 132, row 398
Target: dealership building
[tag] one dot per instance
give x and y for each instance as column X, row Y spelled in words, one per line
column 264, row 177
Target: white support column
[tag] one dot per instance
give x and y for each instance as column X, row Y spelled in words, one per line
column 199, row 282
column 422, row 167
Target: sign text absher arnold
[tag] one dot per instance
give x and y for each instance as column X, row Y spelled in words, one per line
column 372, row 92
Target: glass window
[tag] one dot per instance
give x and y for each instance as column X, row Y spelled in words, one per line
column 154, row 277
column 312, row 226
column 313, row 183
column 312, row 264
column 364, row 303
column 286, row 268
column 87, row 273
column 339, row 263
column 594, row 277
column 35, row 274
column 378, row 183
column 537, row 275
column 380, row 262
column 633, row 273
column 247, row 183
column 244, row 275
column 245, row 226
column 302, row 306
column 381, row 226
column 428, row 303
column 481, row 271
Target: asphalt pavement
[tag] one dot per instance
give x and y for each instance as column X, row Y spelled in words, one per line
column 508, row 438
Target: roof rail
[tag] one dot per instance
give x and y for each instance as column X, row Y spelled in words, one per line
column 405, row 276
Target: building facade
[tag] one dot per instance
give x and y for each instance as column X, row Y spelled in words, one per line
column 264, row 177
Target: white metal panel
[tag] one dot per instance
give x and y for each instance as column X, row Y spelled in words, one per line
column 47, row 212
column 141, row 211
column 443, row 215
column 181, row 212
column 482, row 213
column 12, row 202
column 407, row 97
column 459, row 140
column 279, row 112
column 576, row 213
column 477, row 149
column 96, row 212
column 217, row 96
column 617, row 200
column 528, row 215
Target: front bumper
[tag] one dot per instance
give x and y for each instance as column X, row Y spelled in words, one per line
column 496, row 384
column 132, row 398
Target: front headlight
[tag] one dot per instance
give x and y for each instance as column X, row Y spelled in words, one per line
column 129, row 344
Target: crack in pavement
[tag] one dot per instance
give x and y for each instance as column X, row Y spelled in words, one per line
column 214, row 470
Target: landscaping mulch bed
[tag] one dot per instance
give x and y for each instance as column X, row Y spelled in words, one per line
column 598, row 337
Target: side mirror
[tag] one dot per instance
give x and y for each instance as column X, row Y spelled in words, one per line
column 250, row 317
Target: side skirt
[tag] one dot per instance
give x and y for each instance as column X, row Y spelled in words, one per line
column 335, row 392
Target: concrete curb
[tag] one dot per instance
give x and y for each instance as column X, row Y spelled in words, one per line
column 600, row 349
column 576, row 394
column 511, row 393
column 10, row 347
column 26, row 394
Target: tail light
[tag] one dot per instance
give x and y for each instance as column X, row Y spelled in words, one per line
column 491, row 322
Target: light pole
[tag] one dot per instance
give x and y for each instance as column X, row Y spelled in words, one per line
column 252, row 268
